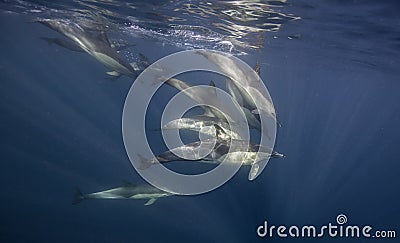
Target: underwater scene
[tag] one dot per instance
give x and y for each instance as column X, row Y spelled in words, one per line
column 200, row 121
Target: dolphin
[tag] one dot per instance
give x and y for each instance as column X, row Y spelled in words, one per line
column 128, row 191
column 209, row 96
column 117, row 45
column 200, row 96
column 202, row 124
column 97, row 46
column 231, row 150
column 67, row 44
column 242, row 97
column 249, row 84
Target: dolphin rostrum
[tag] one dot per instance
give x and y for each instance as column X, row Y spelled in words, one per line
column 128, row 191
column 97, row 46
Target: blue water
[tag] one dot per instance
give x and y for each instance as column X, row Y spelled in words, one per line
column 331, row 67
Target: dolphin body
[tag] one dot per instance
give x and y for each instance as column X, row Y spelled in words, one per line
column 209, row 96
column 231, row 150
column 117, row 45
column 65, row 43
column 97, row 46
column 247, row 85
column 202, row 124
column 128, row 191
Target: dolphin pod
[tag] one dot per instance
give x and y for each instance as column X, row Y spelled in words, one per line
column 226, row 145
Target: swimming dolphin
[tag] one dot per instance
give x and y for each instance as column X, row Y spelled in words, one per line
column 97, row 46
column 249, row 84
column 203, row 124
column 231, row 150
column 242, row 97
column 209, row 96
column 128, row 191
column 117, row 45
column 67, row 44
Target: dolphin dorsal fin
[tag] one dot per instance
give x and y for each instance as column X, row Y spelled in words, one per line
column 103, row 37
column 212, row 84
column 150, row 202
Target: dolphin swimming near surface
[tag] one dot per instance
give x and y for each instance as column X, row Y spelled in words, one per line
column 65, row 43
column 128, row 191
column 97, row 46
column 117, row 45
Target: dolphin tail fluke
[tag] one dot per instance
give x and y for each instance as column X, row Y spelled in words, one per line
column 150, row 202
column 78, row 197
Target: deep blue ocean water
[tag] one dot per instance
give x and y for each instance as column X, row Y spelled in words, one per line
column 331, row 67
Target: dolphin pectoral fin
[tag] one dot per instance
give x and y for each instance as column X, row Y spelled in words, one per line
column 257, row 168
column 150, row 202
column 114, row 74
column 254, row 171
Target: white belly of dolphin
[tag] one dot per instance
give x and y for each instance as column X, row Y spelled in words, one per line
column 110, row 62
column 247, row 158
column 147, row 196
